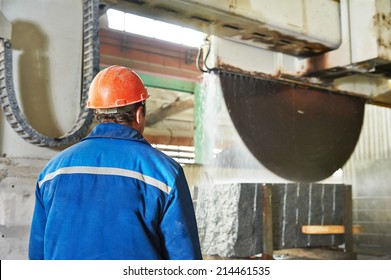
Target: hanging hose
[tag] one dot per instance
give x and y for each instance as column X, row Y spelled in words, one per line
column 204, row 68
column 90, row 67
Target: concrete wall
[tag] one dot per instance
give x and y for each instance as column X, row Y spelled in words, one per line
column 17, row 198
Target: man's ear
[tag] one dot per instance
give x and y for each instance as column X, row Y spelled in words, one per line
column 139, row 115
column 139, row 121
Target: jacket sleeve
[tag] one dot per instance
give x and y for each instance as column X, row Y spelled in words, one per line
column 178, row 226
column 36, row 245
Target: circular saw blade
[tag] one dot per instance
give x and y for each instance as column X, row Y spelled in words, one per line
column 300, row 134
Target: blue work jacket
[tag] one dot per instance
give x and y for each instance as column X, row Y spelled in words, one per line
column 113, row 196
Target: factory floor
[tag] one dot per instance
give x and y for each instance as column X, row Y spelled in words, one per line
column 323, row 254
column 310, row 254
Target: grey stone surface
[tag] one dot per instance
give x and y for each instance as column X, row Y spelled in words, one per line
column 216, row 211
column 230, row 217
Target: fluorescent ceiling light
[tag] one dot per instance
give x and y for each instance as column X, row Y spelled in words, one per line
column 153, row 28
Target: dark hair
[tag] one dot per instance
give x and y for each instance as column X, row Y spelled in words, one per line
column 127, row 116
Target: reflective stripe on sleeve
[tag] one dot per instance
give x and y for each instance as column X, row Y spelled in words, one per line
column 107, row 171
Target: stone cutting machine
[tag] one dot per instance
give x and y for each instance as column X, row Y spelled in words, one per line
column 295, row 74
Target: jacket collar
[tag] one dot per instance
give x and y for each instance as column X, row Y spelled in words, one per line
column 115, row 131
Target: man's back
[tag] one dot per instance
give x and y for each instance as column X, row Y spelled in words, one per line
column 113, row 196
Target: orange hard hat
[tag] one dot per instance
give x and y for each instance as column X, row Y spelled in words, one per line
column 116, row 86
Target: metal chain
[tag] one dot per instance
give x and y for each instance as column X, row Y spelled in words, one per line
column 90, row 68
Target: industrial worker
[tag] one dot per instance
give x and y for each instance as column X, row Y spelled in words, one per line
column 112, row 195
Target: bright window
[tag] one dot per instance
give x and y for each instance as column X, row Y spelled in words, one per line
column 153, row 28
column 182, row 154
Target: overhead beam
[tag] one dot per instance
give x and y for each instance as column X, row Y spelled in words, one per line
column 168, row 83
column 178, row 106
